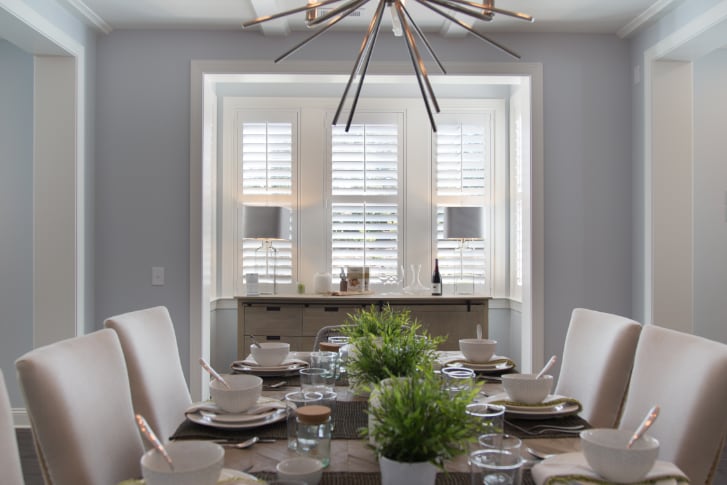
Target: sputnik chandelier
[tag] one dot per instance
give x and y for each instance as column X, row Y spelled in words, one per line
column 403, row 25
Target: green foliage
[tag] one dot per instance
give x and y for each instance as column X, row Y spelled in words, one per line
column 416, row 420
column 387, row 343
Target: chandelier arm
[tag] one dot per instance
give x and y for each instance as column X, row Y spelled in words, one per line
column 320, row 31
column 350, row 4
column 278, row 15
column 411, row 43
column 426, row 3
column 419, row 68
column 369, row 50
column 424, row 39
column 357, row 64
column 509, row 13
column 458, row 8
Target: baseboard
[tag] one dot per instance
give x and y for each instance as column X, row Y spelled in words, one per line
column 20, row 418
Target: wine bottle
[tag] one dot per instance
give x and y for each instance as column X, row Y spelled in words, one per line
column 436, row 280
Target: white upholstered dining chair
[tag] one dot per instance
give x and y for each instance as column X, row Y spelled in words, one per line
column 158, row 388
column 686, row 376
column 12, row 472
column 79, row 404
column 597, row 358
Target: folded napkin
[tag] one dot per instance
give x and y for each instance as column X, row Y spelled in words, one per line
column 249, row 361
column 570, row 468
column 554, row 400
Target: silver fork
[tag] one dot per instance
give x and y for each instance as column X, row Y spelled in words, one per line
column 544, row 428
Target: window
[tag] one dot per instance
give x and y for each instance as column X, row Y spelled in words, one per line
column 364, row 188
column 462, row 166
column 372, row 196
column 266, row 153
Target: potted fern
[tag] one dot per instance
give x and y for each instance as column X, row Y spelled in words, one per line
column 419, row 425
column 386, row 343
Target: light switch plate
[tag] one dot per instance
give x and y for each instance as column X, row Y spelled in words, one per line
column 157, row 275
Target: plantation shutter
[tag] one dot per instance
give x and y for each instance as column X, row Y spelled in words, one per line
column 266, row 156
column 462, row 160
column 365, row 193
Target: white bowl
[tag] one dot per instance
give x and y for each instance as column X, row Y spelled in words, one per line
column 245, row 389
column 195, row 463
column 477, row 350
column 270, row 354
column 302, row 468
column 606, row 453
column 525, row 388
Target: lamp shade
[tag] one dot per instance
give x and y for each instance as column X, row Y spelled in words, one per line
column 265, row 222
column 463, row 222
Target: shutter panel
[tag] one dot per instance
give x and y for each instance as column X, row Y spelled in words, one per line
column 364, row 189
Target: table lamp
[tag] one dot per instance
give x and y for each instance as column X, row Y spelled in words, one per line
column 463, row 224
column 266, row 224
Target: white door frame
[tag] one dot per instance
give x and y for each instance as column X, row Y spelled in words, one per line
column 670, row 86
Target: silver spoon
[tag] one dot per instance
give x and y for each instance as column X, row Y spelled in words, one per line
column 248, row 443
column 213, row 372
column 152, row 437
column 546, row 367
column 645, row 424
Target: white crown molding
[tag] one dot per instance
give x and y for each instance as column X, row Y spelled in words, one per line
column 650, row 14
column 90, row 16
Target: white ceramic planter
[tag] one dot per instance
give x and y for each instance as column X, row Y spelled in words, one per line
column 399, row 473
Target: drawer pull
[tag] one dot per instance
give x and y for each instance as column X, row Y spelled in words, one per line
column 330, row 309
column 272, row 337
column 272, row 308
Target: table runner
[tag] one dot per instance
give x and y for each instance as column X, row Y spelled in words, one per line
column 348, row 416
column 374, row 478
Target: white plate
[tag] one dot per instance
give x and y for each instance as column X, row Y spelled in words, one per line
column 228, row 476
column 557, row 410
column 486, row 367
column 206, row 419
column 281, row 370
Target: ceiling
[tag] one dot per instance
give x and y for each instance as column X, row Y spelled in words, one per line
column 620, row 17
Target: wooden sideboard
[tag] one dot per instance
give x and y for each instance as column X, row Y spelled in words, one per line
column 297, row 318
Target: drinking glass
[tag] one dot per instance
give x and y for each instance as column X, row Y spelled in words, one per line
column 327, row 361
column 294, row 400
column 490, row 416
column 313, row 379
column 499, row 441
column 495, row 467
column 457, row 379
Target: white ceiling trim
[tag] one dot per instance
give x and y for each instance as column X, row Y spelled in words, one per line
column 90, row 16
column 652, row 13
column 276, row 27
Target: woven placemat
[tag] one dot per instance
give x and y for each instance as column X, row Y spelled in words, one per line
column 374, row 478
column 516, row 426
column 348, row 417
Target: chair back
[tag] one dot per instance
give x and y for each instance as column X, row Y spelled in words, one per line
column 325, row 332
column 79, row 404
column 686, row 376
column 12, row 473
column 596, row 363
column 158, row 388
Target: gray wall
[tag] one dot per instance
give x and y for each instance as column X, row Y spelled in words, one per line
column 142, row 144
column 710, row 196
column 16, row 211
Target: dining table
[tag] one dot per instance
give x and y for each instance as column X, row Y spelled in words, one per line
column 352, row 462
